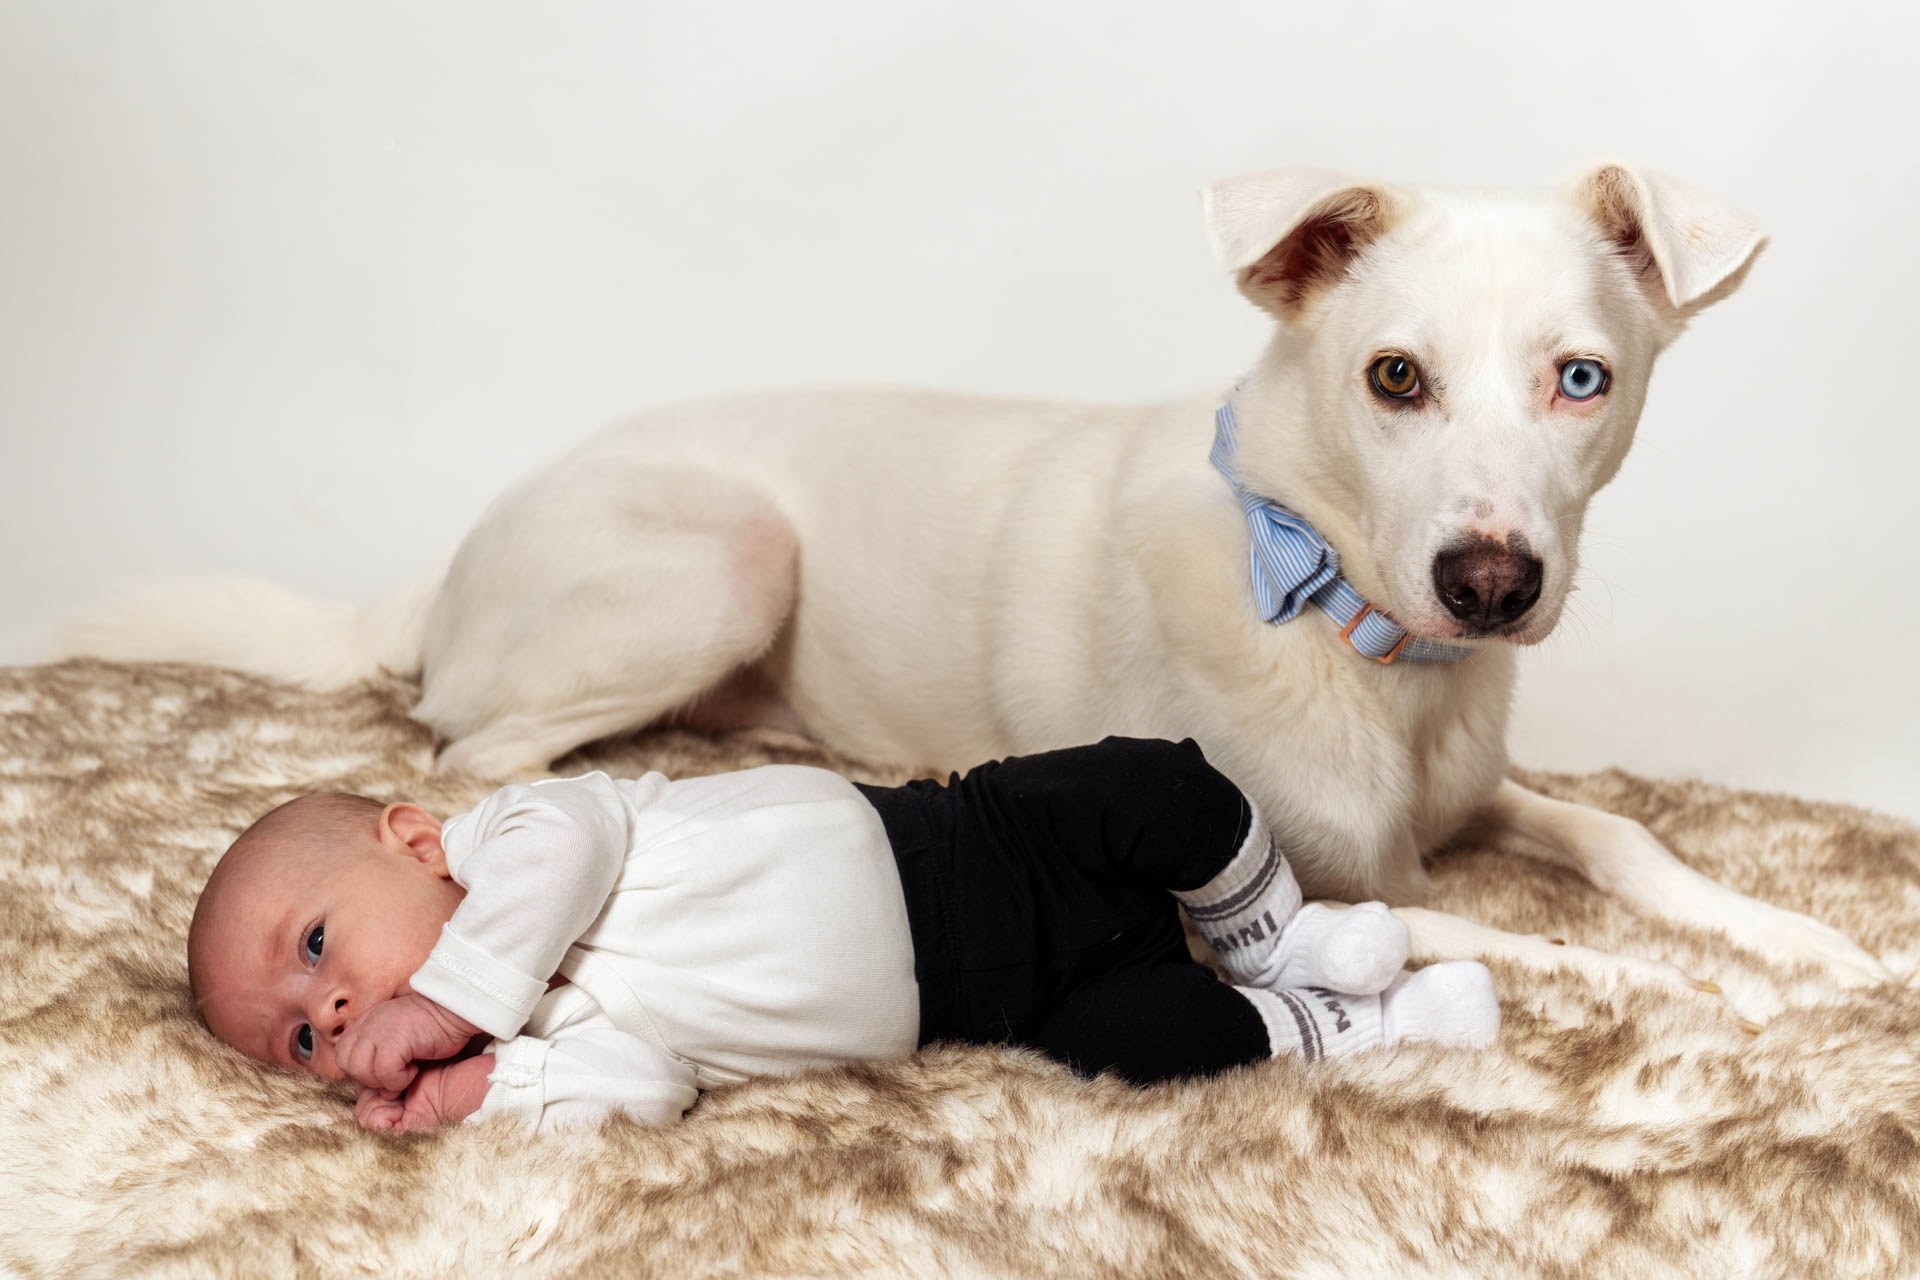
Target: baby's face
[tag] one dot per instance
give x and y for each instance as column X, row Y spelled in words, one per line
column 294, row 949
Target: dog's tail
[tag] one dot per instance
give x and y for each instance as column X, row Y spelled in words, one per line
column 258, row 628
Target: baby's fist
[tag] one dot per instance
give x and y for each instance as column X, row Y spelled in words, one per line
column 440, row 1095
column 380, row 1047
column 379, row 1110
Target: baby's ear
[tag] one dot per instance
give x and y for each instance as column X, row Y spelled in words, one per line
column 410, row 830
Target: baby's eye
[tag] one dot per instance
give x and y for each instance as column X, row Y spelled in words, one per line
column 303, row 1040
column 315, row 937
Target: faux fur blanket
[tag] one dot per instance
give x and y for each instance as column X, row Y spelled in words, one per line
column 1610, row 1132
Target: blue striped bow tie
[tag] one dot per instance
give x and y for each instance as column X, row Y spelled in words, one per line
column 1294, row 566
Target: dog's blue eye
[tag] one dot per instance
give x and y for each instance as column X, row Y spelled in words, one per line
column 315, row 937
column 1582, row 379
column 303, row 1043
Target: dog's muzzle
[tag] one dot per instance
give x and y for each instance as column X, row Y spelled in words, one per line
column 1487, row 585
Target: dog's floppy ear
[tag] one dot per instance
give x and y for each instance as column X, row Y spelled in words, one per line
column 1289, row 233
column 1697, row 247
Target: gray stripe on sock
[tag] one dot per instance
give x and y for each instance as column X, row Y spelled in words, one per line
column 1233, row 902
column 1303, row 1018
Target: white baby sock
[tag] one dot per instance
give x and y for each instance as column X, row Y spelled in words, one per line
column 1250, row 914
column 1449, row 1003
column 1356, row 949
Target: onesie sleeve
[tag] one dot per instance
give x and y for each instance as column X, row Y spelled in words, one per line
column 538, row 862
column 579, row 1076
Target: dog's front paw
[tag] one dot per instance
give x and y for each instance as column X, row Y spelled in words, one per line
column 1782, row 935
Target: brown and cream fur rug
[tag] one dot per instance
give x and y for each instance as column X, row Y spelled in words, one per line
column 1625, row 1132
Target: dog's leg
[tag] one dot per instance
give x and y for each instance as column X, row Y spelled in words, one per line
column 1621, row 857
column 1435, row 935
column 599, row 598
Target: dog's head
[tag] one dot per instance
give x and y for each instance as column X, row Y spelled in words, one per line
column 1456, row 373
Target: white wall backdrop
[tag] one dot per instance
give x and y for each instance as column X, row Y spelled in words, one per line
column 291, row 291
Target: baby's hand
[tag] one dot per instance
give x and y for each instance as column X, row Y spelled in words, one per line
column 440, row 1095
column 378, row 1049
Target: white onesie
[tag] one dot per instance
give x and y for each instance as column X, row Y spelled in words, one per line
column 710, row 929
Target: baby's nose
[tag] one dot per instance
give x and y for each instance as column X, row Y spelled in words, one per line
column 332, row 1015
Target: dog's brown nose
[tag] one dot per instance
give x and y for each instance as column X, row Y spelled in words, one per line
column 1485, row 584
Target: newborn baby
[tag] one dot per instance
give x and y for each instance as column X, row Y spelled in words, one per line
column 626, row 943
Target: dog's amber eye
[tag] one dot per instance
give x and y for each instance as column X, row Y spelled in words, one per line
column 1395, row 377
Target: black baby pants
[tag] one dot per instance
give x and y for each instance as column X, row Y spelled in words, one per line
column 1039, row 895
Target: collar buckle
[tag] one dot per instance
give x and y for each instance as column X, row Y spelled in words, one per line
column 1346, row 633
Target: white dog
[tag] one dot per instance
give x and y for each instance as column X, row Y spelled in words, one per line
column 940, row 579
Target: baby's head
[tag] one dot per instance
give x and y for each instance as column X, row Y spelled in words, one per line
column 319, row 911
